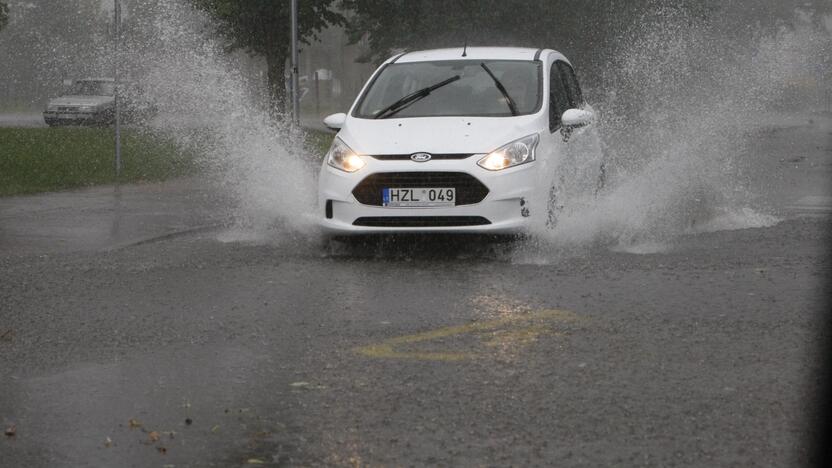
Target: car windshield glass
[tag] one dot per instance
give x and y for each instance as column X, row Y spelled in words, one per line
column 92, row 88
column 474, row 94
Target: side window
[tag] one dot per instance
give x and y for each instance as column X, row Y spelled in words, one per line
column 558, row 98
column 573, row 89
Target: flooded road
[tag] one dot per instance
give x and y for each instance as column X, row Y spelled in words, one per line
column 145, row 333
column 237, row 352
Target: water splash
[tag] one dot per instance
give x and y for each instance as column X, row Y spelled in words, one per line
column 678, row 109
column 206, row 103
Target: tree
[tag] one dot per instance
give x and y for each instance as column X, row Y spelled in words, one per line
column 4, row 14
column 579, row 28
column 263, row 27
column 571, row 26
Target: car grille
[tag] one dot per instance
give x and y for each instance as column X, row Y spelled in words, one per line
column 469, row 190
column 433, row 157
column 420, row 221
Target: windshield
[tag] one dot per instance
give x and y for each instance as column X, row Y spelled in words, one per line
column 475, row 94
column 92, row 88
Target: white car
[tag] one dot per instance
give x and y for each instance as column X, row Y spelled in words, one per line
column 453, row 140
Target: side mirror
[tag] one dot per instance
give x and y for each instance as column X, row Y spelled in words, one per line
column 575, row 118
column 335, row 121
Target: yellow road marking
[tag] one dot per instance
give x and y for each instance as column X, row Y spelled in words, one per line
column 522, row 336
column 499, row 332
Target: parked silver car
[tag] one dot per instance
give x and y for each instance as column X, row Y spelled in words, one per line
column 91, row 101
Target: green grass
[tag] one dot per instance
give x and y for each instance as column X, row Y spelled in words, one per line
column 49, row 159
column 34, row 160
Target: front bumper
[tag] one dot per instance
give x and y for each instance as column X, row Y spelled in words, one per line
column 75, row 118
column 506, row 207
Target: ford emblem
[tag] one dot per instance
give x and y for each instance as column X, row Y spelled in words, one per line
column 420, row 157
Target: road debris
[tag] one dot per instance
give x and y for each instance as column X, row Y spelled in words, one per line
column 306, row 385
column 11, row 431
column 108, row 442
column 134, row 423
column 153, row 436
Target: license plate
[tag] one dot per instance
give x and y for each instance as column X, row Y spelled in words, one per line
column 418, row 197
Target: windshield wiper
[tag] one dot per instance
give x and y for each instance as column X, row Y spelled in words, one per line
column 511, row 105
column 412, row 97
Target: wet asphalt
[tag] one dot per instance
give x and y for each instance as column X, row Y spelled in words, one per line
column 159, row 337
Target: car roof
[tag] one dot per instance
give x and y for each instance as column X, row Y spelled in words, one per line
column 473, row 53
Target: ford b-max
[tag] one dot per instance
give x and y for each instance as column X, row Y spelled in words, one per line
column 453, row 140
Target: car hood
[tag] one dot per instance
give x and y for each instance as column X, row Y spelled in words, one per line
column 435, row 135
column 81, row 100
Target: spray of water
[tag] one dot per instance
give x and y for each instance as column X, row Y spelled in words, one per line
column 677, row 109
column 206, row 103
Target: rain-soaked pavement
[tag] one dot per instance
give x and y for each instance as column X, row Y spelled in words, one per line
column 135, row 330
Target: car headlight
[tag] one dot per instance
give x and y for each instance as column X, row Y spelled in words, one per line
column 513, row 154
column 340, row 156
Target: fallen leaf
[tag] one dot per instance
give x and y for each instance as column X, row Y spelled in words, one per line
column 307, row 385
column 153, row 436
column 255, row 461
column 11, row 430
column 134, row 423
